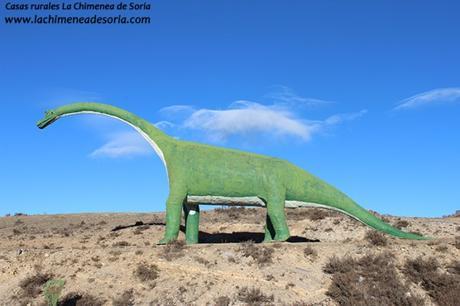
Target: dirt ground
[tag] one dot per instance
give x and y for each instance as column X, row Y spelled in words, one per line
column 113, row 259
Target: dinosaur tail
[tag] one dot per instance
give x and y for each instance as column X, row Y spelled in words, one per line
column 323, row 195
column 363, row 215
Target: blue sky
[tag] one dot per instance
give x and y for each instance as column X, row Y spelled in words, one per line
column 365, row 95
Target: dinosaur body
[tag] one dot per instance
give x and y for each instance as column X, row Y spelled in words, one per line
column 203, row 174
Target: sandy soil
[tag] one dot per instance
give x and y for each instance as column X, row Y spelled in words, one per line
column 106, row 259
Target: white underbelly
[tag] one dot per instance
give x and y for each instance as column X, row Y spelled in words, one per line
column 244, row 201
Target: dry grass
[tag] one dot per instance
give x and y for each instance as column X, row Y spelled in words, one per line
column 145, row 272
column 401, row 224
column 376, row 238
column 173, row 250
column 232, row 214
column 442, row 248
column 125, row 299
column 32, row 286
column 261, row 254
column 222, row 301
column 310, row 252
column 121, row 244
column 313, row 214
column 253, row 296
column 370, row 280
column 442, row 287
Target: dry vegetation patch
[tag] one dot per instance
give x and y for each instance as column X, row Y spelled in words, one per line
column 121, row 244
column 370, row 280
column 173, row 250
column 401, row 224
column 442, row 287
column 146, row 272
column 232, row 213
column 222, row 301
column 125, row 299
column 309, row 252
column 32, row 286
column 313, row 214
column 253, row 296
column 261, row 254
column 376, row 238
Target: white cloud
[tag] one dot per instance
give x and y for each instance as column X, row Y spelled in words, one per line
column 435, row 96
column 124, row 144
column 176, row 109
column 340, row 118
column 245, row 117
column 163, row 125
column 248, row 117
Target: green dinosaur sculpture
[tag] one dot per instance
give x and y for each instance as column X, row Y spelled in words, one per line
column 203, row 174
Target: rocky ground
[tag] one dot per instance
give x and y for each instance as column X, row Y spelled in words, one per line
column 113, row 259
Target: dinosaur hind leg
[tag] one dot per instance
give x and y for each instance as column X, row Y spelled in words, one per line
column 275, row 210
column 192, row 220
column 173, row 214
column 269, row 230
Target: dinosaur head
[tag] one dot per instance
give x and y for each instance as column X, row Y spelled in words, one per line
column 50, row 117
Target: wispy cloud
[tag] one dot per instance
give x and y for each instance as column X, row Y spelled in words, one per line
column 248, row 117
column 163, row 125
column 340, row 118
column 245, row 117
column 435, row 96
column 123, row 144
column 173, row 109
column 285, row 95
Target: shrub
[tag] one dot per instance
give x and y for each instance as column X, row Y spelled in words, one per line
column 442, row 248
column 145, row 272
column 121, row 244
column 253, row 296
column 336, row 265
column 262, row 255
column 401, row 223
column 457, row 242
column 313, row 214
column 309, row 252
column 370, row 280
column 376, row 238
column 222, row 301
column 52, row 290
column 173, row 250
column 443, row 288
column 319, row 214
column 32, row 286
column 125, row 299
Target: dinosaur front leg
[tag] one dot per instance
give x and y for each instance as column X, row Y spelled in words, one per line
column 275, row 210
column 192, row 220
column 173, row 214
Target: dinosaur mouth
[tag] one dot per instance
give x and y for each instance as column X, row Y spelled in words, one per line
column 45, row 122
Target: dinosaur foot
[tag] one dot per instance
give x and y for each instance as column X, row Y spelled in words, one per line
column 282, row 237
column 267, row 240
column 166, row 240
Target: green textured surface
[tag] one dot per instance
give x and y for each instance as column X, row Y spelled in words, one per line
column 202, row 170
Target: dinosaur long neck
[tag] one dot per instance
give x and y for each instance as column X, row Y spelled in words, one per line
column 156, row 138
